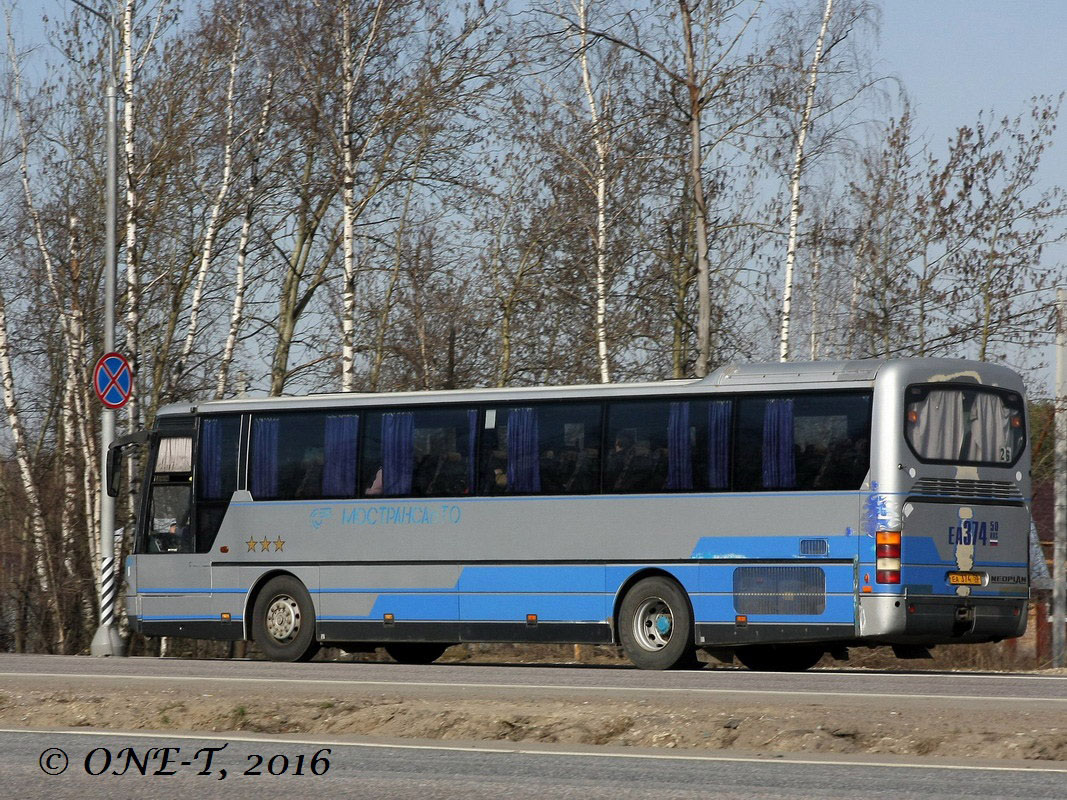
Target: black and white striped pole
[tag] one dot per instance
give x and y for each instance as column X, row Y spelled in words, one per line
column 107, row 641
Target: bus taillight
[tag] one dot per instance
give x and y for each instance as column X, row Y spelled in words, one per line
column 888, row 555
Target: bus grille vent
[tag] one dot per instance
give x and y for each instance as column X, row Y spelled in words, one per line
column 942, row 487
column 814, row 547
column 779, row 590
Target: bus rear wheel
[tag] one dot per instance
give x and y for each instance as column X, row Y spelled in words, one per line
column 283, row 621
column 780, row 657
column 656, row 625
column 415, row 652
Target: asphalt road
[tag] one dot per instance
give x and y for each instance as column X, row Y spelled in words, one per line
column 826, row 687
column 88, row 763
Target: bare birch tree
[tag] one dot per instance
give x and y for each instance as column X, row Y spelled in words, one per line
column 225, row 182
column 794, row 181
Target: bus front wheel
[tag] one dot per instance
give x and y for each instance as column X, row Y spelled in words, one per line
column 283, row 621
column 656, row 625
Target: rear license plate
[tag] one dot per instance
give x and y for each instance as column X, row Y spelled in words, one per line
column 965, row 578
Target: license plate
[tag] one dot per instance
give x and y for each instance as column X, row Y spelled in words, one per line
column 965, row 578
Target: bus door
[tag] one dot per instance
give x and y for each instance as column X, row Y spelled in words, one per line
column 965, row 523
column 172, row 580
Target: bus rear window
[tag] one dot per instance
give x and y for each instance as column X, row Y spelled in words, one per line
column 965, row 425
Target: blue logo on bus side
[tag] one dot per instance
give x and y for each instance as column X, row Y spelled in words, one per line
column 877, row 516
column 319, row 516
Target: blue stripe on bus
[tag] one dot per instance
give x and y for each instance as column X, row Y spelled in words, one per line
column 577, row 579
column 840, row 545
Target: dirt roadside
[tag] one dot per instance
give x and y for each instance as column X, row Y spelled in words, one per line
column 742, row 724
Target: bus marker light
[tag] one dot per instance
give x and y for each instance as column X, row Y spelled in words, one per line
column 224, row 616
column 388, row 619
column 741, row 620
column 866, row 577
column 868, row 589
column 224, row 549
column 911, row 608
column 531, row 619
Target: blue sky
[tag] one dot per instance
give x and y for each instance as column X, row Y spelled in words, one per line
column 954, row 58
column 957, row 57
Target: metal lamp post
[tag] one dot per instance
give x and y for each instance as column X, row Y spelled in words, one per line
column 106, row 640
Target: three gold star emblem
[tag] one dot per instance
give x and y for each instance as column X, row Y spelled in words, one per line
column 265, row 544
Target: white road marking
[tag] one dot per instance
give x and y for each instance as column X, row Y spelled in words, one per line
column 782, row 759
column 529, row 686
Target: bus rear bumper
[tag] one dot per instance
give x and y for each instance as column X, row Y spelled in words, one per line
column 925, row 619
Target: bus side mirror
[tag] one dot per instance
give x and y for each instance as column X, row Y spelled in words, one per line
column 114, row 471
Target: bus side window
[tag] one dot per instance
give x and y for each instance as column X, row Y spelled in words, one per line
column 303, row 456
column 551, row 448
column 804, row 441
column 656, row 446
column 216, row 475
column 420, row 452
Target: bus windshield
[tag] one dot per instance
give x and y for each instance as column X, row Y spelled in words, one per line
column 965, row 425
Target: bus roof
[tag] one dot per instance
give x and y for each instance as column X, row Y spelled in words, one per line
column 859, row 373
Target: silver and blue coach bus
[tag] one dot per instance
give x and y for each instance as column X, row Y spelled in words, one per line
column 772, row 511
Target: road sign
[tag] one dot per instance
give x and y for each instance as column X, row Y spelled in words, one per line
column 113, row 380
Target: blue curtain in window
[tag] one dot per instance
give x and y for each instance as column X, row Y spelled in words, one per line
column 339, row 456
column 398, row 452
column 779, row 465
column 524, row 462
column 265, row 457
column 679, row 449
column 211, row 459
column 472, row 433
column 719, row 419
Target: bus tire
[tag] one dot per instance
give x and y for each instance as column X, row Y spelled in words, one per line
column 415, row 652
column 780, row 657
column 656, row 625
column 283, row 621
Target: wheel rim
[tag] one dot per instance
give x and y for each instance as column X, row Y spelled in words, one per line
column 283, row 619
column 653, row 624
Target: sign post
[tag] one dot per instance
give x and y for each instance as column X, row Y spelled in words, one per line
column 113, row 384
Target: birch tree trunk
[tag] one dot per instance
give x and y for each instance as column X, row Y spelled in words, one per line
column 68, row 411
column 42, row 555
column 133, row 277
column 216, row 207
column 794, row 183
column 353, row 75
column 240, row 281
column 814, row 302
column 86, row 436
column 700, row 213
column 600, row 142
